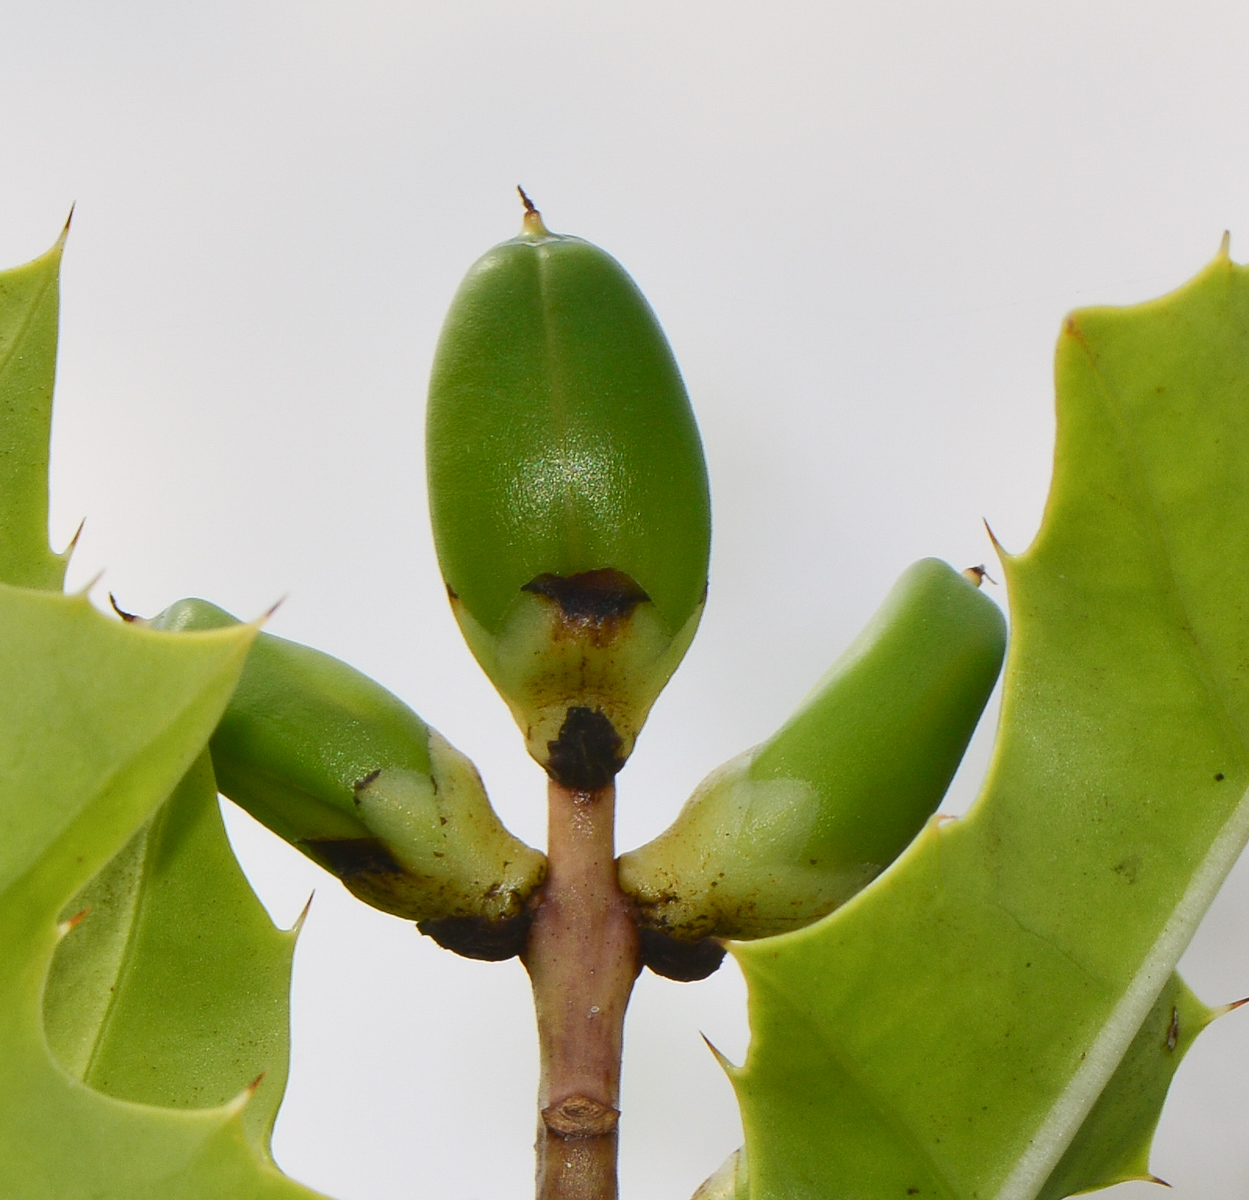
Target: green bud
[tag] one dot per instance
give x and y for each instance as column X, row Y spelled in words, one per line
column 346, row 772
column 568, row 495
column 788, row 831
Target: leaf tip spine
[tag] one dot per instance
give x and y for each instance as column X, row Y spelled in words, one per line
column 728, row 1067
column 296, row 929
column 85, row 591
column 261, row 621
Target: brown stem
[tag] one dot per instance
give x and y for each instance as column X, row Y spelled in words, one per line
column 582, row 959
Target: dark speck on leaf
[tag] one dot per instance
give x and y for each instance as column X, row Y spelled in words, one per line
column 1218, row 777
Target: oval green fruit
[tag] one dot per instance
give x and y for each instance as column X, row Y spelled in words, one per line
column 568, row 495
column 342, row 769
column 787, row 832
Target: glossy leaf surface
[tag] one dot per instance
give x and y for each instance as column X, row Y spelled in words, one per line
column 948, row 1031
column 29, row 308
column 98, row 723
column 169, row 996
column 173, row 988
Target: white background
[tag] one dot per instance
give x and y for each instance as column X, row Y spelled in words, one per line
column 861, row 226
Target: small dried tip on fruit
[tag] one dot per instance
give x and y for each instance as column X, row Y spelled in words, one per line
column 71, row 923
column 68, row 221
column 978, row 575
column 128, row 617
column 532, row 224
column 1225, row 245
column 1223, row 1010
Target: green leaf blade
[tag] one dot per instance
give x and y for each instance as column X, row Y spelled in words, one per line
column 959, row 1019
column 98, row 722
column 29, row 314
column 194, row 990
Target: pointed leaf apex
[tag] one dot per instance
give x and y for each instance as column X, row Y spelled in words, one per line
column 261, row 621
column 87, row 588
column 1001, row 550
column 73, row 542
column 1225, row 246
column 1224, row 1009
column 298, row 927
column 726, row 1065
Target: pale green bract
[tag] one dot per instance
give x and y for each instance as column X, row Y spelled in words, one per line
column 145, row 1061
column 948, row 1031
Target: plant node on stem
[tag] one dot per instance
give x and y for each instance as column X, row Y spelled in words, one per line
column 582, row 960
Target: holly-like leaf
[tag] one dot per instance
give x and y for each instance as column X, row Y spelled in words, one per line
column 29, row 308
column 172, row 986
column 98, row 722
column 948, row 1032
column 1112, row 1146
column 147, row 1058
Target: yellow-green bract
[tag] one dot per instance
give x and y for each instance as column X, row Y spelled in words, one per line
column 785, row 833
column 345, row 771
column 568, row 496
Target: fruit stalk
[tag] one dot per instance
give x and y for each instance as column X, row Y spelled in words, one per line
column 582, row 960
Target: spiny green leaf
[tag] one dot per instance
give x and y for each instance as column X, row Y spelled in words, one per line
column 173, row 988
column 29, row 308
column 1112, row 1145
column 98, row 723
column 949, row 1030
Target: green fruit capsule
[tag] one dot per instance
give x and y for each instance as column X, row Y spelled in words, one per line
column 346, row 772
column 785, row 833
column 568, row 495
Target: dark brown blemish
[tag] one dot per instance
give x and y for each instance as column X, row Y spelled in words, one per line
column 364, row 781
column 591, row 597
column 586, row 755
column 479, row 938
column 1173, row 1030
column 672, row 958
column 1218, row 778
column 349, row 858
column 580, row 1117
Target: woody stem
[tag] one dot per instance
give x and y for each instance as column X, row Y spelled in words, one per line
column 582, row 959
